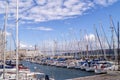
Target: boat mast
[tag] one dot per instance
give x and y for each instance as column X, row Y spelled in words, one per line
column 54, row 47
column 96, row 47
column 106, row 39
column 79, row 47
column 10, row 46
column 103, row 42
column 17, row 62
column 112, row 25
column 118, row 49
column 4, row 40
column 114, row 32
column 112, row 40
column 99, row 41
column 87, row 45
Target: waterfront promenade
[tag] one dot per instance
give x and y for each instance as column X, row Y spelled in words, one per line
column 111, row 75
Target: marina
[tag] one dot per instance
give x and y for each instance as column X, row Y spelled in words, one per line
column 59, row 40
column 80, row 73
column 57, row 72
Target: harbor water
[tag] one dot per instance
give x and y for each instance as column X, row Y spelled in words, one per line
column 57, row 72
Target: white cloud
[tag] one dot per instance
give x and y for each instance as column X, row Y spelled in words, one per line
column 8, row 34
column 45, row 10
column 105, row 2
column 11, row 26
column 40, row 2
column 41, row 28
column 90, row 37
column 23, row 45
column 2, row 7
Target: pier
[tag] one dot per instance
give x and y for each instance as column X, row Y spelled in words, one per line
column 114, row 75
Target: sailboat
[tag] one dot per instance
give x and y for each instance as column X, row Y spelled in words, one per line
column 4, row 69
column 18, row 72
column 21, row 69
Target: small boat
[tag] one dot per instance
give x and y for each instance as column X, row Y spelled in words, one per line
column 71, row 65
column 104, row 66
column 90, row 65
column 82, row 65
column 8, row 68
column 112, row 66
column 78, row 64
column 61, row 64
column 101, row 67
column 54, row 63
column 24, row 74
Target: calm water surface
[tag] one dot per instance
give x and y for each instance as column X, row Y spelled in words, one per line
column 57, row 73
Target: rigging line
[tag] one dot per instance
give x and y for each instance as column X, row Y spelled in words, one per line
column 113, row 25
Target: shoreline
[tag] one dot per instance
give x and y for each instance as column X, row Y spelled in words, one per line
column 111, row 75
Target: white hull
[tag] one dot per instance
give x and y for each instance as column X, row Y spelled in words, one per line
column 100, row 71
column 9, row 70
column 70, row 67
column 23, row 75
column 77, row 67
column 90, row 69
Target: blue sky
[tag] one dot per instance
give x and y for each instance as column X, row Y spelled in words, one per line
column 42, row 20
